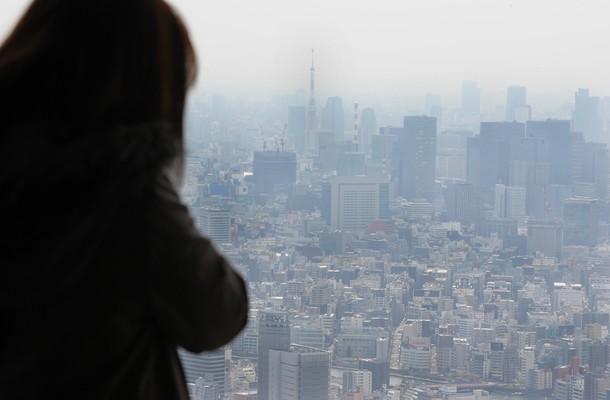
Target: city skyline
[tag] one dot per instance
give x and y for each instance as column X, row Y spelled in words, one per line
column 394, row 48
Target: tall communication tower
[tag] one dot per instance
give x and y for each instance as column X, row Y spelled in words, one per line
column 312, row 118
column 356, row 138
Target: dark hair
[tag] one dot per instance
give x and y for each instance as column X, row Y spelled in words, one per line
column 76, row 66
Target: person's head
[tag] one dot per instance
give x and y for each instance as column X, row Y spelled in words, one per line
column 77, row 65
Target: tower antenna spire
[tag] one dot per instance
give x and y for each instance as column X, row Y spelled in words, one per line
column 312, row 118
column 312, row 67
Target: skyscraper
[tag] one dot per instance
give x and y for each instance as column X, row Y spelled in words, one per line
column 273, row 334
column 433, row 107
column 417, row 158
column 297, row 124
column 299, row 373
column 333, row 118
column 368, row 128
column 529, row 167
column 602, row 173
column 471, row 98
column 559, row 137
column 473, row 160
column 500, row 201
column 586, row 117
column 494, row 158
column 515, row 99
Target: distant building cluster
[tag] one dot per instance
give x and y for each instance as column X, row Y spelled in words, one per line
column 456, row 256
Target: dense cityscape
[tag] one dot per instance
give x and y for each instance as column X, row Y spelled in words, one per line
column 459, row 255
column 420, row 208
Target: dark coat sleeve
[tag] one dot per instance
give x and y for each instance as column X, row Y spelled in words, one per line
column 197, row 299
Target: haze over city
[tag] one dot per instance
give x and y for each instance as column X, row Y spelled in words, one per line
column 394, row 48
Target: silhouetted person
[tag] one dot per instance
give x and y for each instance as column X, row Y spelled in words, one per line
column 102, row 273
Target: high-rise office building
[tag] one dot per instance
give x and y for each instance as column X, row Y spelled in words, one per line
column 473, row 160
column 273, row 334
column 464, row 203
column 471, row 98
column 274, row 170
column 581, row 222
column 578, row 157
column 417, row 159
column 494, row 157
column 215, row 222
column 545, row 237
column 351, row 164
column 515, row 102
column 299, row 373
column 433, row 107
column 368, row 128
column 297, row 124
column 602, row 173
column 500, row 201
column 384, row 151
column 529, row 167
column 515, row 203
column 333, row 118
column 559, row 137
column 494, row 150
column 555, row 195
column 586, row 117
column 210, row 367
column 351, row 203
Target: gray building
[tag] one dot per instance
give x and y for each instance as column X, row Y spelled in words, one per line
column 545, row 237
column 206, row 370
column 273, row 334
column 417, row 158
column 464, row 203
column 215, row 222
column 471, row 98
column 515, row 100
column 581, row 222
column 368, row 128
column 299, row 373
column 333, row 118
column 351, row 203
column 274, row 170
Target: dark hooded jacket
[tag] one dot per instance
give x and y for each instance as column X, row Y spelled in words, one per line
column 102, row 273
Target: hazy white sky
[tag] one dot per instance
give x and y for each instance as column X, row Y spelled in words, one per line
column 396, row 46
